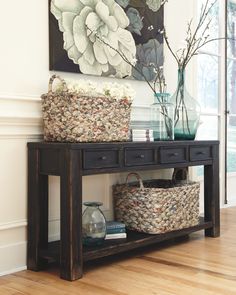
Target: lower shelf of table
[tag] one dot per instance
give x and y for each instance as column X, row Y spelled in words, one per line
column 134, row 240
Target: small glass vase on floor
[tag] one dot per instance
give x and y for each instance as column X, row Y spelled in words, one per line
column 93, row 224
column 162, row 117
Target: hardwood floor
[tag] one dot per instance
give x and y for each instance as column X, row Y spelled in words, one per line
column 198, row 265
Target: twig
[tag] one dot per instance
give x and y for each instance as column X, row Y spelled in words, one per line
column 193, row 42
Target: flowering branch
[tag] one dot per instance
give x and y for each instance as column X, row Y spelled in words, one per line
column 194, row 40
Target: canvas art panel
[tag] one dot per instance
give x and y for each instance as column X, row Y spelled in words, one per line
column 106, row 37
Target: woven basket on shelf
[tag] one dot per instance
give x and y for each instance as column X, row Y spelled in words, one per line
column 156, row 206
column 72, row 117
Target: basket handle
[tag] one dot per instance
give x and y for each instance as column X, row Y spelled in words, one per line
column 141, row 186
column 52, row 79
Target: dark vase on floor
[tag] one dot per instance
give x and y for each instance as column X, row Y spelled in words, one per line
column 186, row 111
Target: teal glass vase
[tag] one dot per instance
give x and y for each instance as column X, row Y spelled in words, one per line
column 186, row 111
column 162, row 117
column 93, row 224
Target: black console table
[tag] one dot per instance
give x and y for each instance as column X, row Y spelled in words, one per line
column 72, row 161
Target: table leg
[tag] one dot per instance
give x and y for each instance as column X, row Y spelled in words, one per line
column 37, row 212
column 71, row 258
column 211, row 195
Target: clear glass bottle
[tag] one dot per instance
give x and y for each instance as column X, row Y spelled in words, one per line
column 162, row 117
column 93, row 224
column 186, row 111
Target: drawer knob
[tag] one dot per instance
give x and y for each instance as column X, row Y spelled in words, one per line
column 103, row 158
column 201, row 153
column 140, row 156
column 174, row 154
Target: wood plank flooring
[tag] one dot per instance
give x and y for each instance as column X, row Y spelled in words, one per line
column 196, row 266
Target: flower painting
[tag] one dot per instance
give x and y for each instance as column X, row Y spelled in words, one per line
column 80, row 31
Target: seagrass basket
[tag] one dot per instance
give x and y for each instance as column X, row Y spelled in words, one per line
column 72, row 117
column 156, row 206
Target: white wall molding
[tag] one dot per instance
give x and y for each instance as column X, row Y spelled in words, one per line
column 20, row 117
column 21, row 223
column 13, row 224
column 19, row 130
column 20, row 106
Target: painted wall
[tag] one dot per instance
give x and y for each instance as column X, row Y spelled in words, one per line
column 24, row 77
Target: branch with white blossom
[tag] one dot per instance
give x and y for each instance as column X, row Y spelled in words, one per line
column 195, row 39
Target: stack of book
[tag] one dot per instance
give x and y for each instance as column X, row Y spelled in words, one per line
column 115, row 230
column 142, row 135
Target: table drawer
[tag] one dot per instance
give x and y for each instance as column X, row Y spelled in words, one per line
column 199, row 153
column 100, row 158
column 137, row 157
column 173, row 155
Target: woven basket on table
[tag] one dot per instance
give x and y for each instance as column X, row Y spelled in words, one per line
column 72, row 117
column 156, row 206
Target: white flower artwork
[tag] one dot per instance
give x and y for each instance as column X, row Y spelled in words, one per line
column 81, row 20
column 91, row 36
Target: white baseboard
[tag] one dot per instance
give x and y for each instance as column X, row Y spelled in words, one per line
column 12, row 257
column 11, row 271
